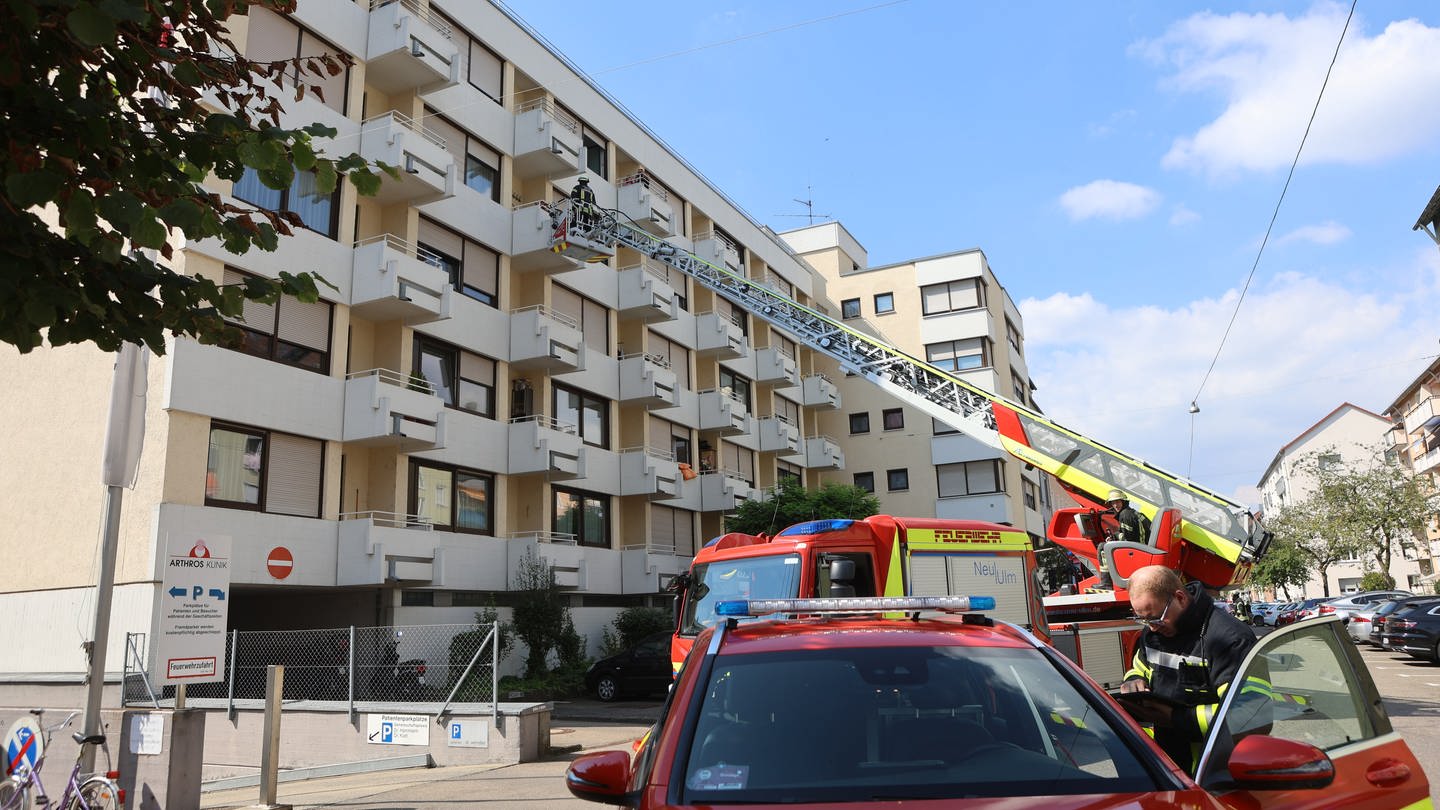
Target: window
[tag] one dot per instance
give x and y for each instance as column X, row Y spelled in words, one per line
column 884, row 302
column 785, row 471
column 736, row 315
column 593, row 318
column 250, row 468
column 676, row 355
column 784, row 344
column 850, row 308
column 412, row 597
column 969, row 478
column 897, row 480
column 789, row 412
column 865, row 481
column 583, row 515
column 958, row 355
column 588, row 413
column 288, row 331
column 317, row 211
column 942, row 428
column 739, row 387
column 952, row 296
column 473, row 268
column 463, row 380
column 452, row 498
column 272, row 38
column 665, row 435
column 893, row 418
column 1031, row 494
column 479, row 162
column 672, row 529
column 738, row 462
column 1018, row 387
column 595, row 152
column 1012, row 334
column 860, row 422
column 485, row 71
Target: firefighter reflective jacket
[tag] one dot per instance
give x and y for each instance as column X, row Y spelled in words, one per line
column 1194, row 668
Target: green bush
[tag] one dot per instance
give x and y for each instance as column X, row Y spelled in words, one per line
column 1377, row 581
column 632, row 625
column 462, row 649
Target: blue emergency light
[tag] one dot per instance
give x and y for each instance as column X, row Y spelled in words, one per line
column 853, row 604
column 817, row 527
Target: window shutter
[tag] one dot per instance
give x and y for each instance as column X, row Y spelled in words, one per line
column 684, row 533
column 482, row 268
column 270, row 37
column 305, row 324
column 331, row 88
column 453, row 135
column 950, row 479
column 477, row 368
column 662, row 527
column 486, row 70
column 292, row 480
column 566, row 302
column 658, row 434
column 442, row 239
column 484, row 154
column 597, row 326
column 256, row 315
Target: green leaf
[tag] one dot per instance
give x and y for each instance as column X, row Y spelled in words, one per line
column 39, row 313
column 182, row 214
column 187, row 74
column 148, row 233
column 325, row 177
column 278, row 178
column 121, row 208
column 366, row 183
column 80, row 216
column 90, row 25
column 261, row 154
column 32, row 188
column 303, row 156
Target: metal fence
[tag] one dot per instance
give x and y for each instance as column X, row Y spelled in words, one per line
column 435, row 666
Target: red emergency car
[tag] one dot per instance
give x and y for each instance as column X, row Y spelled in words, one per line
column 846, row 703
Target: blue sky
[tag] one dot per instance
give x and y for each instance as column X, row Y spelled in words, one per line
column 1118, row 162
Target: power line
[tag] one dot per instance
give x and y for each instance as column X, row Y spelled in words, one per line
column 1276, row 213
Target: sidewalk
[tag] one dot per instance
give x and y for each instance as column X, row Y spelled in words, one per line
column 576, row 727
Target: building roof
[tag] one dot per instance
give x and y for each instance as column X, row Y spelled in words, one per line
column 1431, row 372
column 1431, row 213
column 1305, row 434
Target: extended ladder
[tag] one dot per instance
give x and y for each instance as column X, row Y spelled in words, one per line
column 1212, row 521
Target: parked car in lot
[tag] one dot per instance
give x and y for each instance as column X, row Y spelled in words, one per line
column 1385, row 633
column 1307, row 609
column 1364, row 622
column 1270, row 610
column 1347, row 605
column 1415, row 629
column 950, row 711
column 644, row 669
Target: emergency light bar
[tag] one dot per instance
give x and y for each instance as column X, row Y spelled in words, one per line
column 853, row 604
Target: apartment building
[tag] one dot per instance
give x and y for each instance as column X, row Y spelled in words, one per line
column 1347, row 436
column 953, row 312
column 461, row 395
column 1414, row 440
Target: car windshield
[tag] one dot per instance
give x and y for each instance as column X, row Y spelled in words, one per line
column 751, row 578
column 890, row 723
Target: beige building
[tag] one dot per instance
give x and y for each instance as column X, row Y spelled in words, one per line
column 1414, row 440
column 463, row 394
column 951, row 311
column 1348, row 436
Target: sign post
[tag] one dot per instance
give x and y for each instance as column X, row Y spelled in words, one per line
column 195, row 600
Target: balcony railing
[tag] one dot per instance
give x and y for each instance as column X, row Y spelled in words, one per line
column 391, row 520
column 413, row 6
column 414, row 382
column 557, row 538
column 640, row 177
column 409, row 123
column 549, row 108
column 547, row 422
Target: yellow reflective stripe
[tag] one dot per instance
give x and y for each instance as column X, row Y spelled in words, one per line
column 1204, row 713
column 1066, row 721
column 1423, row 804
column 1139, row 668
column 968, row 539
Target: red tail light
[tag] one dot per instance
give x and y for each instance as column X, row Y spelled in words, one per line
column 122, row 796
column 1324, row 609
column 1400, row 624
column 112, row 774
column 1359, row 620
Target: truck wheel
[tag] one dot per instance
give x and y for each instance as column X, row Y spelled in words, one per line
column 607, row 689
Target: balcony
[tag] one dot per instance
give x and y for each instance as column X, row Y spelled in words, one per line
column 547, row 142
column 384, row 408
column 427, row 169
column 531, row 250
column 646, row 204
column 644, row 293
column 542, row 339
column 721, row 410
column 409, row 49
column 539, row 444
column 715, row 249
column 393, row 280
column 1422, row 417
column 723, row 491
column 647, row 380
column 773, row 366
column 822, row 453
column 379, row 547
column 776, row 434
column 650, row 472
column 719, row 337
column 818, row 391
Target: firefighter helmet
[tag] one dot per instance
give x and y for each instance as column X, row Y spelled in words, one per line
column 1115, row 495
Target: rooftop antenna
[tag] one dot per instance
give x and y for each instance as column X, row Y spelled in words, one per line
column 809, row 208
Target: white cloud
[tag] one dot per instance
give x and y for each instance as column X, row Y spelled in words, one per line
column 1326, row 233
column 1109, row 199
column 1268, row 70
column 1300, row 346
column 1183, row 216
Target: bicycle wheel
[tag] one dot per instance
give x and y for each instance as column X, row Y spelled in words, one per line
column 14, row 795
column 96, row 793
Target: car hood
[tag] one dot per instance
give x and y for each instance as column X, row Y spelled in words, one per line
column 1160, row 800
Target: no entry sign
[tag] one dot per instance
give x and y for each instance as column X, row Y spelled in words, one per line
column 280, row 562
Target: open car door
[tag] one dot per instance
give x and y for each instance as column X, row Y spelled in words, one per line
column 1302, row 726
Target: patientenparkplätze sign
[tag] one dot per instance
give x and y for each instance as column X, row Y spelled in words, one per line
column 194, row 605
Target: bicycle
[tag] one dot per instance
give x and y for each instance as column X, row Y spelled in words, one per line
column 22, row 788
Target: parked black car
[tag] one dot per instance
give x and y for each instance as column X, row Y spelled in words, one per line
column 1415, row 629
column 641, row 670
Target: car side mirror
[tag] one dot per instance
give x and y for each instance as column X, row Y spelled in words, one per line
column 602, row 777
column 1262, row 762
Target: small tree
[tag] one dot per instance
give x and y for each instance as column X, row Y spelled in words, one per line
column 1379, row 505
column 1283, row 566
column 1377, row 581
column 792, row 503
column 634, row 624
column 540, row 614
column 464, row 646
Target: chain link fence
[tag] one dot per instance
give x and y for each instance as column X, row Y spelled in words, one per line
column 439, row 664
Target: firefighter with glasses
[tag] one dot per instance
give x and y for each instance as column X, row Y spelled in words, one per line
column 1187, row 656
